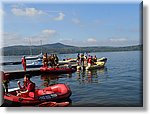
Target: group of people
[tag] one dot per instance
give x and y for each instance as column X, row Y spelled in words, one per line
column 86, row 59
column 51, row 60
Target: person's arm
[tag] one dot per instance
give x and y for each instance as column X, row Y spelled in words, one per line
column 24, row 91
column 28, row 89
column 19, row 85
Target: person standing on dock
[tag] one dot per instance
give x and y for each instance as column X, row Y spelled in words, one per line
column 56, row 60
column 24, row 63
column 45, row 60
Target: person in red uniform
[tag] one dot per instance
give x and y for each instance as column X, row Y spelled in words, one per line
column 89, row 61
column 24, row 63
column 30, row 86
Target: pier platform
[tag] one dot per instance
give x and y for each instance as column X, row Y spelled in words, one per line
column 20, row 73
column 33, row 72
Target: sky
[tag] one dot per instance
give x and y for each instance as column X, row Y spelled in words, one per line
column 77, row 24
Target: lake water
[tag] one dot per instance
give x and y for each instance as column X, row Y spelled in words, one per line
column 120, row 83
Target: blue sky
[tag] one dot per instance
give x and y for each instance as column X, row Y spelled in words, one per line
column 78, row 24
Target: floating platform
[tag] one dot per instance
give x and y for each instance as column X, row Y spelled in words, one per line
column 33, row 72
column 20, row 73
column 11, row 63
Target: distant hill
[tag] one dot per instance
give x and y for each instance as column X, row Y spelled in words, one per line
column 63, row 49
column 57, row 45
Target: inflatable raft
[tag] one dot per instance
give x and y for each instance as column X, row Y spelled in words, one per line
column 103, row 59
column 52, row 93
column 57, row 70
column 97, row 65
column 70, row 60
column 54, row 104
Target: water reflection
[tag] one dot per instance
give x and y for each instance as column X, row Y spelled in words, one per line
column 91, row 76
column 51, row 79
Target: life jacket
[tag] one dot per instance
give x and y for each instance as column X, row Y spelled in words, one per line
column 82, row 56
column 95, row 59
column 89, row 60
column 32, row 87
column 44, row 59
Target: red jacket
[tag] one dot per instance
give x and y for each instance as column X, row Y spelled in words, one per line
column 89, row 60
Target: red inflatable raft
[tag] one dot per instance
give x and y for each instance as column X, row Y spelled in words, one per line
column 52, row 93
column 54, row 104
column 57, row 70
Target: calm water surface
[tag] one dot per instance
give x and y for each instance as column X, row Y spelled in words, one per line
column 118, row 84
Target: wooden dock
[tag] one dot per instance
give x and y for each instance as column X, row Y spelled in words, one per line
column 20, row 73
column 11, row 63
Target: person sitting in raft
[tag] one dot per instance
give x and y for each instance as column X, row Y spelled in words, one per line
column 92, row 62
column 95, row 59
column 24, row 87
column 30, row 86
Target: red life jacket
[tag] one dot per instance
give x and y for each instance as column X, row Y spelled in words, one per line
column 89, row 60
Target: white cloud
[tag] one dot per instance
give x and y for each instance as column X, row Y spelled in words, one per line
column 31, row 12
column 26, row 12
column 46, row 35
column 76, row 21
column 82, row 43
column 91, row 40
column 118, row 39
column 48, row 32
column 59, row 17
column 10, row 39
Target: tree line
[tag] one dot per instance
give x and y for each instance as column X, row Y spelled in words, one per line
column 63, row 49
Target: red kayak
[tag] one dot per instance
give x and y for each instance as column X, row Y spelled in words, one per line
column 52, row 93
column 57, row 70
